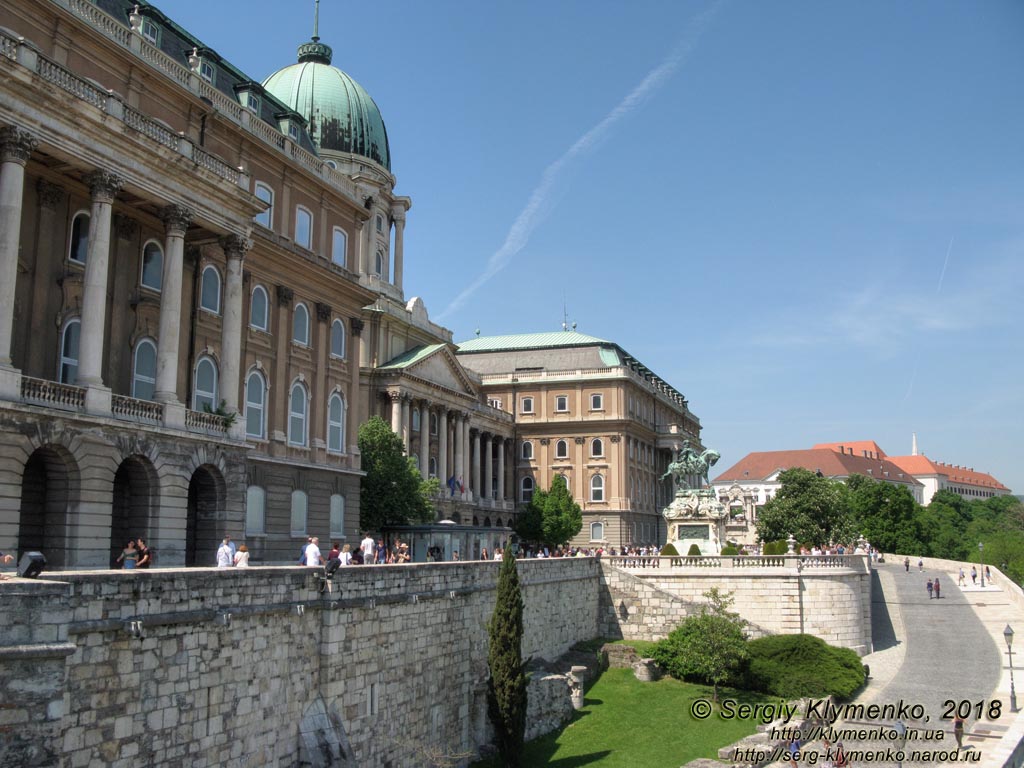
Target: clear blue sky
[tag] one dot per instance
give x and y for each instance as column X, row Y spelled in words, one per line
column 808, row 217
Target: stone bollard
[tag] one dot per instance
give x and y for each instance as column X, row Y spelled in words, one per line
column 646, row 670
column 577, row 676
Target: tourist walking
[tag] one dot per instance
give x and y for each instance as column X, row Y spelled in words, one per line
column 958, row 731
column 313, row 556
column 145, row 554
column 346, row 555
column 930, row 589
column 974, row 576
column 938, row 589
column 242, row 557
column 920, row 565
column 988, row 574
column 335, row 551
column 129, row 555
column 225, row 557
column 906, row 564
column 381, row 556
column 369, row 548
column 963, row 579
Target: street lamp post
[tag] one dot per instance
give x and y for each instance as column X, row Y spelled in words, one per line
column 1008, row 635
column 981, row 562
column 901, row 732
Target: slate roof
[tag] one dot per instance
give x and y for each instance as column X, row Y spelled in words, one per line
column 529, row 341
column 410, row 357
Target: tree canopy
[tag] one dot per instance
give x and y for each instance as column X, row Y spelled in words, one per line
column 812, row 508
column 392, row 490
column 552, row 517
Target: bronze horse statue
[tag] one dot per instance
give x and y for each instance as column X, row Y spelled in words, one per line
column 689, row 463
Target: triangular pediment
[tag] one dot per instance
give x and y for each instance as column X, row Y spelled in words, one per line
column 435, row 365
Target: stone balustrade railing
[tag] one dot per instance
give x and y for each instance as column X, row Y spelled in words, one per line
column 200, row 421
column 52, row 394
column 703, row 562
column 133, row 409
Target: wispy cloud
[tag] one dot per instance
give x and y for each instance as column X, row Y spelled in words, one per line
column 537, row 206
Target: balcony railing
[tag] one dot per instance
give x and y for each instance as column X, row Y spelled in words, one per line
column 798, row 562
column 52, row 394
column 209, row 423
column 133, row 409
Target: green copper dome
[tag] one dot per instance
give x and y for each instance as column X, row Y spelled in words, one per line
column 342, row 116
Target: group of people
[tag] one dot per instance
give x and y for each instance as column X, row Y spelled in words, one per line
column 369, row 552
column 136, row 554
column 228, row 555
column 974, row 576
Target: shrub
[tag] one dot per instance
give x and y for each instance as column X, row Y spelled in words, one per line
column 775, row 548
column 729, row 549
column 669, row 550
column 694, row 551
column 792, row 666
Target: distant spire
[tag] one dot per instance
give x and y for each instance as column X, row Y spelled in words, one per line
column 316, row 21
column 314, row 50
column 913, row 445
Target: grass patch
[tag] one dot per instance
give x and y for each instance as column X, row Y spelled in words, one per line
column 626, row 723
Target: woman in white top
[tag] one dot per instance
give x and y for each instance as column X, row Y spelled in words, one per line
column 242, row 557
column 346, row 555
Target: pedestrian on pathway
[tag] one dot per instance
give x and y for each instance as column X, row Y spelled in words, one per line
column 794, row 751
column 930, row 589
column 840, row 761
column 974, row 575
column 938, row 589
column 906, row 564
column 958, row 731
column 988, row 574
column 920, row 565
column 963, row 579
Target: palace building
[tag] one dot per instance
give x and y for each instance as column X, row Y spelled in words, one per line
column 201, row 298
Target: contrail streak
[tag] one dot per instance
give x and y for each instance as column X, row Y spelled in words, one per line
column 537, row 205
column 942, row 275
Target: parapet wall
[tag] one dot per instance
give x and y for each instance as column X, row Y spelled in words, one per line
column 230, row 664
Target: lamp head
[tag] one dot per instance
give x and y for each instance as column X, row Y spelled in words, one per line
column 1008, row 636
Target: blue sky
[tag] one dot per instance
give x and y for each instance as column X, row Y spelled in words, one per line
column 806, row 216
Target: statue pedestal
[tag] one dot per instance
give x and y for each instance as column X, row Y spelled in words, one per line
column 696, row 517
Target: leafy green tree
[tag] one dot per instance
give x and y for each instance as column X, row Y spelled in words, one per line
column 552, row 517
column 392, row 490
column 710, row 647
column 885, row 514
column 506, row 688
column 812, row 508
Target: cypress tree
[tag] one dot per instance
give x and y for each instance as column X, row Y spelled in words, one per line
column 507, row 687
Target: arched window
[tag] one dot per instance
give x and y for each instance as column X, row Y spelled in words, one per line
column 565, row 480
column 69, row 351
column 303, row 227
column 266, row 194
column 210, row 290
column 152, row 266
column 336, row 424
column 339, row 247
column 255, row 405
column 255, row 511
column 300, row 503
column 597, row 488
column 79, row 246
column 527, row 489
column 597, row 447
column 378, row 264
column 144, row 370
column 297, row 404
column 204, row 392
column 337, row 516
column 487, row 522
column 433, row 423
column 258, row 309
column 433, row 466
column 338, row 339
column 561, row 450
column 415, row 419
column 300, row 325
column 497, row 523
column 527, row 449
column 380, row 224
column 597, row 531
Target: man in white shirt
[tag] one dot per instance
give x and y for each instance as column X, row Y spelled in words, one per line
column 225, row 558
column 313, row 556
column 369, row 547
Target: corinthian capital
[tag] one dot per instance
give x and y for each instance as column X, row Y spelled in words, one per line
column 176, row 219
column 103, row 185
column 16, row 145
column 235, row 246
column 50, row 195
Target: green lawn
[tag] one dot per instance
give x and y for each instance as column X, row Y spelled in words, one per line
column 637, row 725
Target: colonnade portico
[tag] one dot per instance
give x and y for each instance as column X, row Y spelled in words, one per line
column 464, row 451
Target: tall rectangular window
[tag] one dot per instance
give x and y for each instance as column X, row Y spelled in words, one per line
column 299, row 509
column 255, row 511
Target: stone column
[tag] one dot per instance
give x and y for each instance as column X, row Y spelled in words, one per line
column 45, row 276
column 354, row 400
column 176, row 220
column 460, row 448
column 442, row 445
column 318, row 403
column 398, row 216
column 103, row 187
column 485, row 491
column 396, row 412
column 467, row 456
column 424, row 439
column 501, row 468
column 476, row 463
column 15, row 147
column 406, row 425
column 235, row 248
column 361, row 249
column 278, row 416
